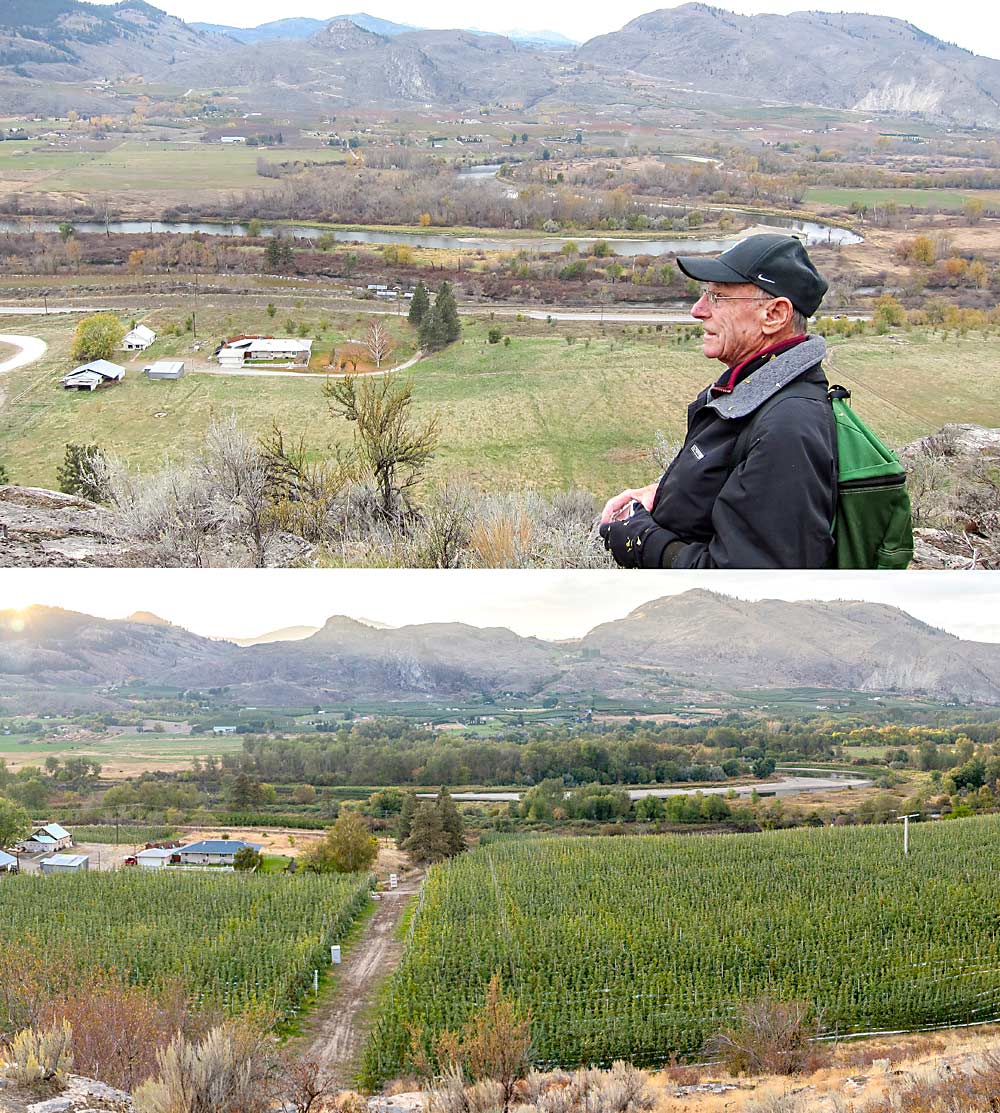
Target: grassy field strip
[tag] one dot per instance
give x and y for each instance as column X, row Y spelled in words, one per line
column 541, row 412
column 952, row 199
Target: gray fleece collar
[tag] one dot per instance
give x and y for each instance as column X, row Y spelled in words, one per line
column 766, row 381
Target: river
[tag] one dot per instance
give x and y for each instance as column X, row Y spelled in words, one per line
column 811, row 232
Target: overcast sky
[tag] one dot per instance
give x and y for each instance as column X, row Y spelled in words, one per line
column 974, row 24
column 226, row 603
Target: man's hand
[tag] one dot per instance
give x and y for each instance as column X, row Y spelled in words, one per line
column 624, row 540
column 616, row 509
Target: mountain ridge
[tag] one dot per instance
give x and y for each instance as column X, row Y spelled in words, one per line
column 699, row 639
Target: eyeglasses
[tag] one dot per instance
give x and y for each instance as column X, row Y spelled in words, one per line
column 713, row 298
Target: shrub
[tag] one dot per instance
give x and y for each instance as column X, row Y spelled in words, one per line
column 231, row 1070
column 495, row 335
column 770, row 1037
column 41, row 1058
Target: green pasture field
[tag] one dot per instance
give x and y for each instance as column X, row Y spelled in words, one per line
column 540, row 413
column 138, row 165
column 638, row 948
column 905, row 198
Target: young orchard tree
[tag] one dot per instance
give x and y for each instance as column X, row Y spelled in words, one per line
column 378, row 341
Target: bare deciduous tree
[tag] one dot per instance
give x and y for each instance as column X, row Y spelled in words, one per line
column 378, row 341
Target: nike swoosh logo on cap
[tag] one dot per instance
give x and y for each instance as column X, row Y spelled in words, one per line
column 763, row 279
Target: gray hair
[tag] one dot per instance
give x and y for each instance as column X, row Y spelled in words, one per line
column 799, row 321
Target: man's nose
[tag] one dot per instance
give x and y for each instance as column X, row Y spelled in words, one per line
column 701, row 310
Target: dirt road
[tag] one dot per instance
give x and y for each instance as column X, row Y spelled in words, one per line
column 31, row 349
column 335, row 1033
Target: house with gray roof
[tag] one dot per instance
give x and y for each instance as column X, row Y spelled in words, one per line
column 8, row 863
column 212, row 852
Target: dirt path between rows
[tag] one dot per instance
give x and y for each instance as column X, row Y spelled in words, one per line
column 335, row 1033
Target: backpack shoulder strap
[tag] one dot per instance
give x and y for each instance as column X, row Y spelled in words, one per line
column 794, row 389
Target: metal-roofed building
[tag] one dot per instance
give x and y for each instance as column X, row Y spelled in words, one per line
column 165, row 369
column 89, row 376
column 8, row 863
column 65, row 863
column 51, row 837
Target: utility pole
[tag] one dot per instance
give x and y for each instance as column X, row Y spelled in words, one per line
column 194, row 308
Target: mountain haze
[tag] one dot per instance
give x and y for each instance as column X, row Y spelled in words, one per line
column 698, row 641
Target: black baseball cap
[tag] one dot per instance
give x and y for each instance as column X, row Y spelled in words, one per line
column 778, row 264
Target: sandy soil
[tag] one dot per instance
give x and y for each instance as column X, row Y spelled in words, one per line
column 861, row 1072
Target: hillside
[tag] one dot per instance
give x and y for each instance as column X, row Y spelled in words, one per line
column 845, row 60
column 69, row 40
column 696, row 641
column 674, row 55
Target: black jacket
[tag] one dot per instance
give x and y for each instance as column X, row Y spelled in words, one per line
column 766, row 500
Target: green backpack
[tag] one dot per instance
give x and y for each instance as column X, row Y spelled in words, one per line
column 873, row 527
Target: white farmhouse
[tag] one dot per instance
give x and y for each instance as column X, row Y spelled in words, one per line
column 51, row 837
column 139, row 339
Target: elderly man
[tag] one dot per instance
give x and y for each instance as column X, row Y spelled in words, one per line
column 755, row 483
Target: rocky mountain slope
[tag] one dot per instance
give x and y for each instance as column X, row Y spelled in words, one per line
column 698, row 640
column 674, row 55
column 845, row 60
column 68, row 40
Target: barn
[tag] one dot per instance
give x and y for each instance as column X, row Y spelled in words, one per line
column 90, row 376
column 51, row 837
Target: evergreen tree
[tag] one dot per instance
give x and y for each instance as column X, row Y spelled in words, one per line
column 405, row 818
column 447, row 313
column 430, row 333
column 451, row 821
column 419, row 306
column 428, row 841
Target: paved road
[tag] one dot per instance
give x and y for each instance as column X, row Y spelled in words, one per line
column 336, row 1032
column 31, row 349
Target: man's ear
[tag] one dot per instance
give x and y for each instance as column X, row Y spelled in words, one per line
column 777, row 314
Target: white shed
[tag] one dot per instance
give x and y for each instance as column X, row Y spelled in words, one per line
column 8, row 863
column 155, row 858
column 139, row 339
column 165, row 369
column 65, row 863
